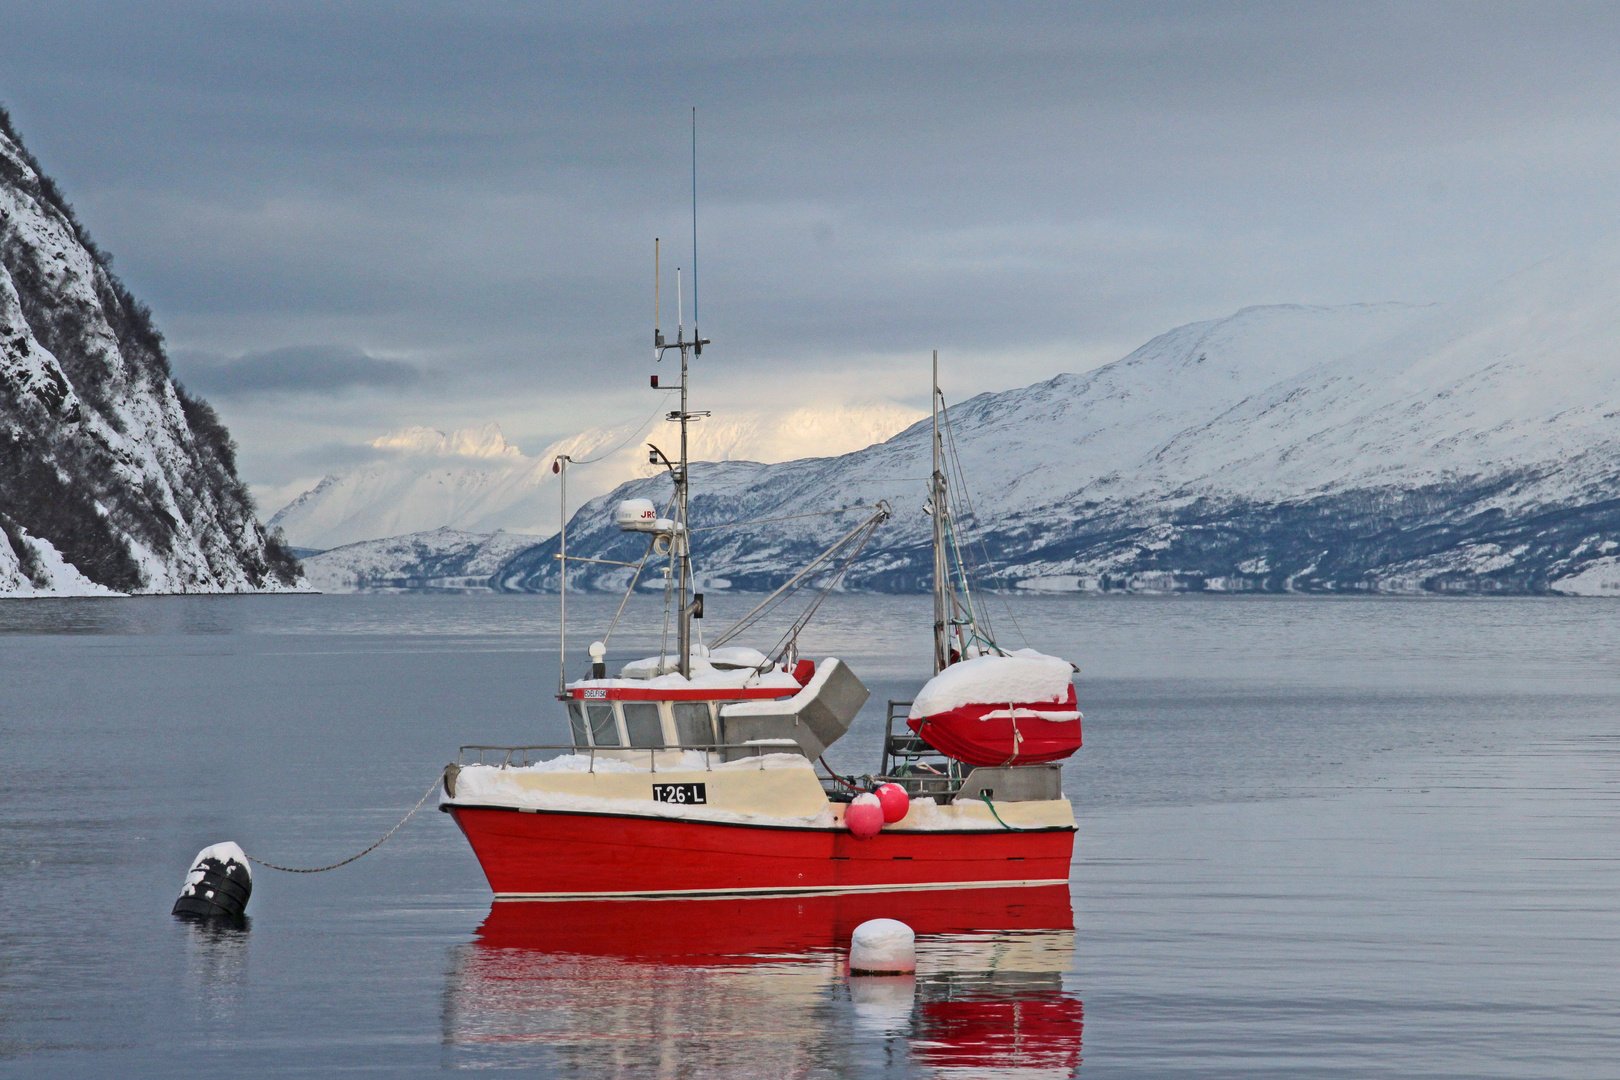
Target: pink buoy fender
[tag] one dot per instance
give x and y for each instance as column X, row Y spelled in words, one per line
column 864, row 816
column 895, row 802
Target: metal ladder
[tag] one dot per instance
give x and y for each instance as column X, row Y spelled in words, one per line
column 915, row 765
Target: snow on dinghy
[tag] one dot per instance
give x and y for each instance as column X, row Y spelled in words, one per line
column 1009, row 709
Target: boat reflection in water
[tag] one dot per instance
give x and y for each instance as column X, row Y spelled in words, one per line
column 757, row 987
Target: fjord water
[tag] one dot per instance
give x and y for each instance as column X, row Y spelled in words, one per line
column 1357, row 837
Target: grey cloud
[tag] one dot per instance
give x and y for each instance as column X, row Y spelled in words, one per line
column 306, row 369
column 337, row 457
column 478, row 185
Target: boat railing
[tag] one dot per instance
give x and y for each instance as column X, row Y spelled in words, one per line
column 516, row 757
column 912, row 763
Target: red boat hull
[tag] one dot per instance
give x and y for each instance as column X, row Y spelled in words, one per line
column 1003, row 733
column 722, row 929
column 547, row 855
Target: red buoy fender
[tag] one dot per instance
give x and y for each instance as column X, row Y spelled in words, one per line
column 895, row 802
column 864, row 817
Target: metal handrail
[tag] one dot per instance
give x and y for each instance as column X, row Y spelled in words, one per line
column 758, row 748
column 903, row 754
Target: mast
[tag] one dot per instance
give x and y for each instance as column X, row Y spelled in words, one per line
column 683, row 545
column 559, row 465
column 942, row 584
column 680, row 543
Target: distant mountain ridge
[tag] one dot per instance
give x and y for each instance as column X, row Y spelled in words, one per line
column 1469, row 448
column 112, row 477
column 474, row 481
column 444, row 560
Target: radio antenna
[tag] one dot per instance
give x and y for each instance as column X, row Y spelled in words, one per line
column 658, row 305
column 698, row 350
column 680, row 546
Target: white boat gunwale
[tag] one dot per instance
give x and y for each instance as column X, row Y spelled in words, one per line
column 891, row 830
column 809, row 890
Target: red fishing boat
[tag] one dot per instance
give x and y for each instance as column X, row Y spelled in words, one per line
column 702, row 773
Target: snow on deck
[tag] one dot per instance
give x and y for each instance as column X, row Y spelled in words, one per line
column 495, row 785
column 722, row 670
column 668, row 761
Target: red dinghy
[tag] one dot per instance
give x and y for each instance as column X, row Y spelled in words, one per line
column 1013, row 709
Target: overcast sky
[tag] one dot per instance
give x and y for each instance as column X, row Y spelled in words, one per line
column 349, row 217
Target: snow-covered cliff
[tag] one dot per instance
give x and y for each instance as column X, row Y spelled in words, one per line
column 112, row 478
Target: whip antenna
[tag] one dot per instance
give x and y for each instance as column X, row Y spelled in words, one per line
column 698, row 349
column 680, row 546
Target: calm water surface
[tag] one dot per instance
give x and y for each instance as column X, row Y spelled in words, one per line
column 1369, row 838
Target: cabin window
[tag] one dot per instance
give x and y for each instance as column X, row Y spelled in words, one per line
column 643, row 724
column 720, row 722
column 604, row 725
column 693, row 725
column 576, row 723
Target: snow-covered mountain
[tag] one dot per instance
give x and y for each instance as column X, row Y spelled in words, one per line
column 1470, row 447
column 112, row 478
column 475, row 481
column 444, row 559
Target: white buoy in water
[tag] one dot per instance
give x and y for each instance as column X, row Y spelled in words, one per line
column 882, row 947
column 883, row 1005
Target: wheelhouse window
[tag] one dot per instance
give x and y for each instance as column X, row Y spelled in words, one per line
column 720, row 722
column 604, row 725
column 576, row 723
column 693, row 724
column 643, row 724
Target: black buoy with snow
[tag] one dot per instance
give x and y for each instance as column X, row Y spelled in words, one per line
column 218, row 885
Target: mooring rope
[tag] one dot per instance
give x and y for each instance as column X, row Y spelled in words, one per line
column 985, row 795
column 368, row 851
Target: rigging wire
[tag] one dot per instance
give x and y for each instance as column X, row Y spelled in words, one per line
column 789, row 641
column 974, row 618
column 629, row 590
column 636, row 435
column 970, row 523
column 978, row 535
column 889, row 480
column 790, row 587
column 803, row 577
column 790, row 517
